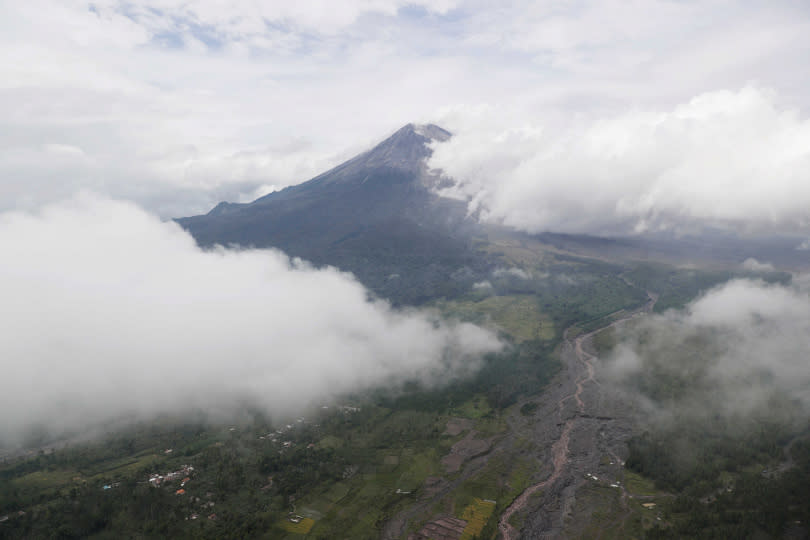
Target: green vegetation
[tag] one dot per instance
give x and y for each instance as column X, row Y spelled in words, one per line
column 638, row 485
column 346, row 471
column 677, row 286
column 528, row 409
column 475, row 408
column 728, row 467
column 334, row 469
column 519, row 316
column 302, row 527
column 476, row 515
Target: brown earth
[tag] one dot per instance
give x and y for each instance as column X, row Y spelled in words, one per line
column 457, row 426
column 463, row 450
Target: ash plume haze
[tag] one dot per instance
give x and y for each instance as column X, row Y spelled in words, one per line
column 109, row 312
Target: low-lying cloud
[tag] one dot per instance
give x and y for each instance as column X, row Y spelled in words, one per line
column 730, row 353
column 725, row 158
column 511, row 272
column 107, row 312
column 752, row 265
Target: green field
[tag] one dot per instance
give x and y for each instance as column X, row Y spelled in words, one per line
column 301, row 528
column 519, row 316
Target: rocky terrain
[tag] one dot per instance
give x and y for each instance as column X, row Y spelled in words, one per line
column 580, row 432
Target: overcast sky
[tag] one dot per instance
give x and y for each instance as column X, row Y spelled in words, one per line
column 176, row 105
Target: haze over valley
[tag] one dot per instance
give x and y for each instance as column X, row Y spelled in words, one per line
column 405, row 270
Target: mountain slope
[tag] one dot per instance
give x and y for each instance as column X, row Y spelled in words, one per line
column 374, row 215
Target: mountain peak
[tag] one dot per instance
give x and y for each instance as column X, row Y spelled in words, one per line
column 406, row 149
column 415, row 135
column 432, row 132
column 375, row 215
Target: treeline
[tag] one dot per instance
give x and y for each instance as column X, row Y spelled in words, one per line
column 523, row 369
column 731, row 449
column 757, row 505
column 678, row 286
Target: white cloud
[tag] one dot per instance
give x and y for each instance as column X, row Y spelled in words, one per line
column 177, row 105
column 245, row 20
column 722, row 158
column 178, row 129
column 512, row 271
column 753, row 265
column 739, row 342
column 732, row 352
column 107, row 311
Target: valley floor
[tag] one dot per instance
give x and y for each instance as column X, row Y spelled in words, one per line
column 575, row 440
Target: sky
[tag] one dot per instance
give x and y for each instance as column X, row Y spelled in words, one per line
column 177, row 105
column 603, row 117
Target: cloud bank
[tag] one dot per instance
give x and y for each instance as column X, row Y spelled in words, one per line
column 723, row 159
column 107, row 312
column 178, row 105
column 733, row 353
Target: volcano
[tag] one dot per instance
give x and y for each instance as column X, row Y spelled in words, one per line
column 377, row 215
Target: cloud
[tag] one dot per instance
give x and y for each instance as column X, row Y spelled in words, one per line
column 179, row 128
column 727, row 353
column 753, row 265
column 214, row 21
column 512, row 271
column 178, row 105
column 722, row 158
column 109, row 312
